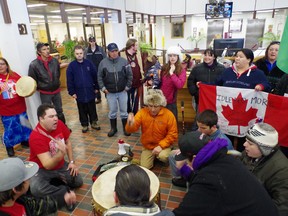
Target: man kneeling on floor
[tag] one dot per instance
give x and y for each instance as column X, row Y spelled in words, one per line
column 158, row 126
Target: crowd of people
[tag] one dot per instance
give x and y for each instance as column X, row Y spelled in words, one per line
column 145, row 95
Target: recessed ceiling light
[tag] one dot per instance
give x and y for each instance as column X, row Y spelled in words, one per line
column 36, row 16
column 36, row 5
column 68, row 10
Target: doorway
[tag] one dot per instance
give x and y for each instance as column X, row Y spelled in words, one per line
column 255, row 29
column 97, row 31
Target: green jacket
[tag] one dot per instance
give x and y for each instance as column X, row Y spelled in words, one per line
column 272, row 173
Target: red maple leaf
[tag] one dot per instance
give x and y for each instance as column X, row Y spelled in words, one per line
column 238, row 114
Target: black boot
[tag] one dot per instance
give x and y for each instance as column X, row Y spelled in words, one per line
column 25, row 143
column 124, row 121
column 10, row 151
column 113, row 129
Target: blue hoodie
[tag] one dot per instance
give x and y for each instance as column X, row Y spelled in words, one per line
column 249, row 79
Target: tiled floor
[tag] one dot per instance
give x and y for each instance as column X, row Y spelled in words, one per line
column 94, row 148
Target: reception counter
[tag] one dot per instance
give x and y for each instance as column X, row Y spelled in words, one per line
column 189, row 112
column 63, row 68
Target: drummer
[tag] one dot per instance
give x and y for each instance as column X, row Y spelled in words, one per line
column 132, row 194
column 158, row 126
column 13, row 114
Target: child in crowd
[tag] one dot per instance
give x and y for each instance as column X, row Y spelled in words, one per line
column 152, row 73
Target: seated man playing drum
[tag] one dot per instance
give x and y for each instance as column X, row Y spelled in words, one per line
column 158, row 127
column 132, row 193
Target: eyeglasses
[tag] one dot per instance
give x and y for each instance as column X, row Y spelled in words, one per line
column 92, row 41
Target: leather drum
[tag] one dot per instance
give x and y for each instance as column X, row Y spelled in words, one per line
column 26, row 86
column 103, row 190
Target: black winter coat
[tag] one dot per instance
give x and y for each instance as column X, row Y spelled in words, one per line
column 282, row 86
column 225, row 187
column 273, row 76
column 203, row 73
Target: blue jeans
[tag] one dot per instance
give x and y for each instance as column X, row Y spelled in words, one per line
column 173, row 108
column 133, row 100
column 40, row 185
column 172, row 162
column 115, row 100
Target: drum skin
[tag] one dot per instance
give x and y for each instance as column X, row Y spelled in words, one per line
column 26, row 86
column 103, row 189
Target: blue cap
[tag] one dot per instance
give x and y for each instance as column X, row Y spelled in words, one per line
column 112, row 46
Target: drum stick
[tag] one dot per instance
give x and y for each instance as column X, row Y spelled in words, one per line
column 182, row 111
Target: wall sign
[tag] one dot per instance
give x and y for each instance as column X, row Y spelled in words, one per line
column 22, row 29
column 236, row 25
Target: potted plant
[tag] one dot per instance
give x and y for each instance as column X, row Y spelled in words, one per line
column 69, row 47
column 196, row 38
column 268, row 37
column 145, row 49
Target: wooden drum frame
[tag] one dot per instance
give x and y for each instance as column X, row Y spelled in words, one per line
column 103, row 190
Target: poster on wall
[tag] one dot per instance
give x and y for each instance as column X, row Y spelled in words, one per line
column 236, row 25
column 177, row 30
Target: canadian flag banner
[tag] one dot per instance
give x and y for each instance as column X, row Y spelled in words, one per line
column 238, row 109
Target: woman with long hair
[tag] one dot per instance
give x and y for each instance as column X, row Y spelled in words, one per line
column 13, row 114
column 173, row 77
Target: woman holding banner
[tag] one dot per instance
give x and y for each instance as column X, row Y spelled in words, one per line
column 243, row 74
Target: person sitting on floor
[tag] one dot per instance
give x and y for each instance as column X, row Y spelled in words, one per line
column 220, row 184
column 49, row 144
column 265, row 160
column 132, row 194
column 14, row 186
column 207, row 124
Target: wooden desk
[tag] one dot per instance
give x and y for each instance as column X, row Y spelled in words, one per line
column 189, row 112
column 63, row 68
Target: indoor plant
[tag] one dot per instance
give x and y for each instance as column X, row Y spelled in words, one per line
column 69, row 49
column 196, row 38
